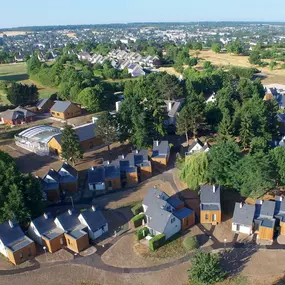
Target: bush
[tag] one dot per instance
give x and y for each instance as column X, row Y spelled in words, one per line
column 190, row 243
column 138, row 219
column 137, row 209
column 156, row 242
column 243, row 71
column 142, row 233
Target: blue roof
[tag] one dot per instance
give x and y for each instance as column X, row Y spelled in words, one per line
column 267, row 223
column 174, row 202
column 183, row 213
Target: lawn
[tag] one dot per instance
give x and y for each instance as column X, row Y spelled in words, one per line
column 17, row 72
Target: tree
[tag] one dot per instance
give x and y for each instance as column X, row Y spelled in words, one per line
column 236, row 47
column 205, row 268
column 33, row 65
column 272, row 65
column 106, row 129
column 20, row 195
column 253, row 175
column 246, row 131
column 216, row 47
column 22, row 94
column 258, row 144
column 277, row 156
column 91, row 98
column 197, row 46
column 222, row 160
column 254, row 57
column 71, row 148
column 225, row 127
column 191, row 117
column 208, row 65
column 194, row 170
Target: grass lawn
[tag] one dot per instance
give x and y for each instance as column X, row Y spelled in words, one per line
column 17, row 72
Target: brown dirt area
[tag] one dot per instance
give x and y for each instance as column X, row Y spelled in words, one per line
column 224, row 231
column 12, row 33
column 224, row 59
column 61, row 254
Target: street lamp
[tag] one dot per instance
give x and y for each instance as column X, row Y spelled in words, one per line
column 45, row 249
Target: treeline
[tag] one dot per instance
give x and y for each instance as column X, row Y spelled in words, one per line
column 20, row 195
column 252, row 174
column 78, row 85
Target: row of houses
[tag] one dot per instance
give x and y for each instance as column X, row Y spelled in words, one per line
column 56, row 183
column 71, row 229
column 128, row 170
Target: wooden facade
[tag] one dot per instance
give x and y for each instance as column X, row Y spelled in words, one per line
column 145, row 172
column 160, row 161
column 70, row 187
column 132, row 178
column 23, row 254
column 282, row 228
column 18, row 121
column 188, row 222
column 72, row 111
column 113, row 183
column 53, row 195
column 46, row 106
column 55, row 244
column 265, row 233
column 210, row 217
column 77, row 244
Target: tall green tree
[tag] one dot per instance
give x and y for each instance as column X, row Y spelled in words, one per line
column 216, row 47
column 91, row 98
column 106, row 128
column 223, row 158
column 194, row 170
column 71, row 148
column 277, row 156
column 205, row 268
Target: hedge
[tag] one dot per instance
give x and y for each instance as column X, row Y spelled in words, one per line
column 142, row 233
column 156, row 242
column 190, row 243
column 137, row 209
column 138, row 219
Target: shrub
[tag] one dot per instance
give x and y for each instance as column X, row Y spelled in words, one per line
column 142, row 233
column 190, row 243
column 243, row 71
column 137, row 209
column 138, row 219
column 156, row 242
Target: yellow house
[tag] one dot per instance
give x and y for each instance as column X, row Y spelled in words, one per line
column 65, row 110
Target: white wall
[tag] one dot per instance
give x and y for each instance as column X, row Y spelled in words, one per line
column 172, row 228
column 34, row 234
column 3, row 249
column 58, row 224
column 242, row 229
column 197, row 147
column 97, row 186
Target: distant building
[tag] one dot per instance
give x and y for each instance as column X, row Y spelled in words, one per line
column 160, row 153
column 44, row 105
column 17, row 116
column 65, row 110
column 197, row 146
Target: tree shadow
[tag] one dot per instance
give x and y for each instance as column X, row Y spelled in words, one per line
column 234, row 260
column 15, row 77
column 280, row 281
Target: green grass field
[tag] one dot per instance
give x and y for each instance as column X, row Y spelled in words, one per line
column 17, row 72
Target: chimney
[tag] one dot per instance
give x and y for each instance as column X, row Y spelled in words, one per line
column 93, row 208
column 11, row 224
column 108, row 162
column 240, row 205
column 261, row 202
column 214, row 189
column 137, row 151
column 69, row 212
column 46, row 216
column 118, row 106
column 92, row 168
column 281, row 199
column 156, row 143
column 123, row 156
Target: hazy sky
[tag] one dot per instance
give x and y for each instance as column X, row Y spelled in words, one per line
column 15, row 13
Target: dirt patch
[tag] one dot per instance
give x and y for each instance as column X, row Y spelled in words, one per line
column 224, row 231
column 59, row 255
column 12, row 33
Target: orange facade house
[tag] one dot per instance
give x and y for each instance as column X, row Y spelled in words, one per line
column 65, row 110
column 160, row 153
column 86, row 135
column 45, row 232
column 18, row 116
column 14, row 244
column 210, row 204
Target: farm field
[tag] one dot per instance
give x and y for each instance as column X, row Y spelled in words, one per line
column 17, row 72
column 224, row 59
column 12, row 33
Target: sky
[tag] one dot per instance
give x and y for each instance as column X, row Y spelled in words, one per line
column 18, row 13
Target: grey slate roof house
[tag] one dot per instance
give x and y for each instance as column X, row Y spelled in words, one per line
column 243, row 218
column 18, row 115
column 197, row 146
column 160, row 152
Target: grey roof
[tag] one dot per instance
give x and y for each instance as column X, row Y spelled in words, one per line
column 159, row 220
column 279, row 206
column 53, row 174
column 72, row 175
column 61, row 106
column 267, row 209
column 69, row 220
column 183, row 213
column 160, row 149
column 176, row 106
column 94, row 219
column 42, row 102
column 153, row 198
column 98, row 174
column 208, row 195
column 193, row 144
column 243, row 215
column 46, row 226
column 17, row 113
column 84, row 132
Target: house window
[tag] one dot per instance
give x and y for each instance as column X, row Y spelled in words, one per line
column 206, row 217
column 68, row 241
column 172, row 220
column 214, row 217
column 21, row 256
column 57, row 114
column 91, row 145
column 30, row 252
column 61, row 241
column 186, row 222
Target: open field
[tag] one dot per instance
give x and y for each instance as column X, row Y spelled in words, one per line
column 12, row 33
column 17, row 72
column 224, row 59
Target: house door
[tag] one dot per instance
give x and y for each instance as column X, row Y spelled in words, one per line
column 214, row 217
